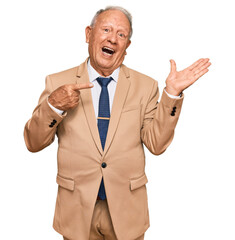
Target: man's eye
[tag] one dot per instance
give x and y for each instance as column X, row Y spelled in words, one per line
column 106, row 30
column 122, row 35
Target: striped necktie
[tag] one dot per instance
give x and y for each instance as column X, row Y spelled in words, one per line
column 103, row 121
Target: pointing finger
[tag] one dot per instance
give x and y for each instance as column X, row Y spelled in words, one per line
column 82, row 86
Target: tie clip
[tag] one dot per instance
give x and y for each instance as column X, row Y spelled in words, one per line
column 104, row 118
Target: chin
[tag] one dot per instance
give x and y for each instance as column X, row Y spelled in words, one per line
column 107, row 64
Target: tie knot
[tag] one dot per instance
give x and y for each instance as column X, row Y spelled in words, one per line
column 104, row 81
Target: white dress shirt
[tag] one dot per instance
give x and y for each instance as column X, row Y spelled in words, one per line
column 96, row 90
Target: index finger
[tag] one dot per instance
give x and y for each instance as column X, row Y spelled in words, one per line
column 82, row 86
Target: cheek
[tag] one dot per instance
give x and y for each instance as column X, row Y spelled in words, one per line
column 96, row 44
column 93, row 47
column 122, row 52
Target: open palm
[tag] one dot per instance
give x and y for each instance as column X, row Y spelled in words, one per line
column 177, row 81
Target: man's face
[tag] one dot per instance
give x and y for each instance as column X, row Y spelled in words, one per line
column 108, row 40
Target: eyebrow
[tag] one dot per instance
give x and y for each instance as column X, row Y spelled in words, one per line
column 122, row 28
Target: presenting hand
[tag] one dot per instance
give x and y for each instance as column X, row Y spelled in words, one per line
column 176, row 81
column 67, row 96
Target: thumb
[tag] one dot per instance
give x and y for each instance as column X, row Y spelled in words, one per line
column 173, row 65
column 80, row 86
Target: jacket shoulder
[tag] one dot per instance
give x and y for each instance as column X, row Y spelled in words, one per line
column 68, row 72
column 140, row 78
column 68, row 76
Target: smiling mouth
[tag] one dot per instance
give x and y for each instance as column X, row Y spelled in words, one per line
column 108, row 51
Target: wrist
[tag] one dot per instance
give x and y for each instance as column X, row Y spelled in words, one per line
column 172, row 91
column 61, row 112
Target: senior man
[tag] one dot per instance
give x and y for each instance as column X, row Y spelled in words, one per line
column 102, row 113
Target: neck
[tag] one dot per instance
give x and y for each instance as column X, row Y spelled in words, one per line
column 103, row 73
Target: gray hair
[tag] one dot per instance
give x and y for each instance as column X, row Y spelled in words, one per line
column 123, row 10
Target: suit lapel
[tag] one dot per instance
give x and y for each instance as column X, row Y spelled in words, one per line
column 87, row 104
column 118, row 102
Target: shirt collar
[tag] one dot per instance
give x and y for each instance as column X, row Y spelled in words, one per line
column 93, row 74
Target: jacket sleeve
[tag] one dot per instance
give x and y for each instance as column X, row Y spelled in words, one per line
column 40, row 130
column 160, row 120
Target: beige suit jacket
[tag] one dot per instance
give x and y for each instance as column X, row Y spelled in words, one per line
column 137, row 118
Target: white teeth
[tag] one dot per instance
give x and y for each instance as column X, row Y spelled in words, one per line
column 109, row 48
column 108, row 51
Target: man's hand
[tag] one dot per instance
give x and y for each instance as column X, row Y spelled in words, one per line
column 176, row 82
column 67, row 96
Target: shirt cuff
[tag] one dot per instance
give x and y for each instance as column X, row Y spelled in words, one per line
column 172, row 96
column 60, row 112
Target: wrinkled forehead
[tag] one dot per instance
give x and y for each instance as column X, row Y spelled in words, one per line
column 114, row 18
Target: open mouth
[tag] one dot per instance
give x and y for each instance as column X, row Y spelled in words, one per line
column 108, row 50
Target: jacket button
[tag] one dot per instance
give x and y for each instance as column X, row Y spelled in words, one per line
column 172, row 113
column 103, row 165
column 54, row 121
column 174, row 108
column 51, row 125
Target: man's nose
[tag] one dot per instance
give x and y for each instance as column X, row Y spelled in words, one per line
column 112, row 38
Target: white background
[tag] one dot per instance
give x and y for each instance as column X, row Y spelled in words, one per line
column 191, row 186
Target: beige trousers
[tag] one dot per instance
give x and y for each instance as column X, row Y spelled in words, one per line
column 101, row 225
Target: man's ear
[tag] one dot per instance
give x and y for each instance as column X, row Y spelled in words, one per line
column 128, row 44
column 88, row 33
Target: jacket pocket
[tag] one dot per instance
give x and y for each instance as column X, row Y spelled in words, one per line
column 65, row 182
column 138, row 182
